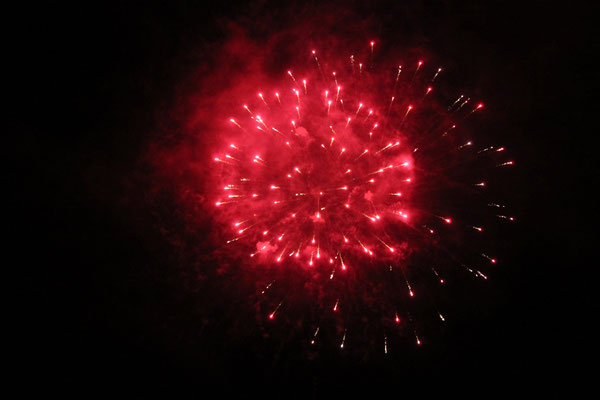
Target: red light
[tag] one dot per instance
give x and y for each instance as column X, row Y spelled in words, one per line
column 291, row 177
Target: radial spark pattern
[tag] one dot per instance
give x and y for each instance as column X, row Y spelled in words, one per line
column 351, row 185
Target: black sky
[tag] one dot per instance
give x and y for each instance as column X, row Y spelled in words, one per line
column 105, row 304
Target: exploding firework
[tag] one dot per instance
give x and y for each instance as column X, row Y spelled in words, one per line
column 349, row 189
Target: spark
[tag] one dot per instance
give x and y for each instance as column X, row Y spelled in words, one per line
column 267, row 287
column 492, row 260
column 262, row 98
column 358, row 109
column 437, row 275
column 348, row 122
column 463, row 103
column 342, row 262
column 506, row 163
column 410, row 291
column 362, row 154
column 272, row 315
column 456, row 102
column 506, row 217
column 281, row 254
column 479, row 106
column 398, row 74
column 314, row 336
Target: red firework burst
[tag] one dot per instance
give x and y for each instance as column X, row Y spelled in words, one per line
column 358, row 179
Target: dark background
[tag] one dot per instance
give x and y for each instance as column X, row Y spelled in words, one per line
column 106, row 303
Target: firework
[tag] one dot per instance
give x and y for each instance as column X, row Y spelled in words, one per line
column 351, row 189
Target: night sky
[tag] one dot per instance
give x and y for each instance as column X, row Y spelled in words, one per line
column 116, row 292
